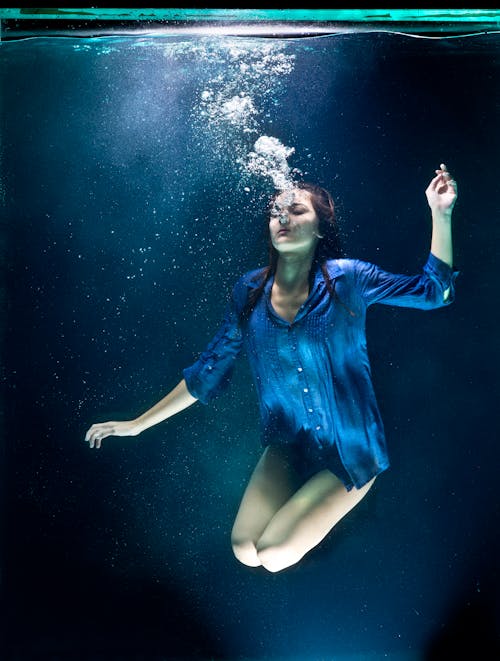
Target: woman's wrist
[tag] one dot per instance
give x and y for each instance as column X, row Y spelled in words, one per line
column 440, row 215
column 137, row 426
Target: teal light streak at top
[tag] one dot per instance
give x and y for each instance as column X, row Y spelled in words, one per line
column 491, row 16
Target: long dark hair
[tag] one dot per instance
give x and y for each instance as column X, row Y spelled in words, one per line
column 328, row 247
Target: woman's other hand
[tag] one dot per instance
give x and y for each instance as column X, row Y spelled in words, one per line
column 442, row 191
column 101, row 430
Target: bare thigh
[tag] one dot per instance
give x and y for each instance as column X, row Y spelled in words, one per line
column 273, row 482
column 306, row 518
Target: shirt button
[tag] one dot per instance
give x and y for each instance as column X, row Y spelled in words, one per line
column 306, row 389
column 318, row 427
column 299, row 369
column 310, row 410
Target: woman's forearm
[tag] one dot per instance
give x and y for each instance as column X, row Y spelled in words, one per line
column 177, row 400
column 441, row 242
column 441, row 195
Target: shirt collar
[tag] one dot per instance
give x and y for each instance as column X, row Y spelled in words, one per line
column 334, row 270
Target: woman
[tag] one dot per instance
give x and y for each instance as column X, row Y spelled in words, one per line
column 302, row 322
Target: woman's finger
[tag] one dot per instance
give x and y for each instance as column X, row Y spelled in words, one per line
column 95, row 435
column 436, row 180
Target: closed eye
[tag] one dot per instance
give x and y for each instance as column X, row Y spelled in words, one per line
column 298, row 209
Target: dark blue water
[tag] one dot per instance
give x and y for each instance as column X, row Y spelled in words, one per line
column 128, row 212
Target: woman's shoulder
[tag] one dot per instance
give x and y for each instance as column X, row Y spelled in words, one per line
column 344, row 265
column 244, row 284
column 251, row 278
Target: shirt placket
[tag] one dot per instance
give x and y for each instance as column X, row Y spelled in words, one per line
column 309, row 411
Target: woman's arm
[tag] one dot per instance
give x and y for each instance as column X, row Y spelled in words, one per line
column 435, row 287
column 177, row 400
column 441, row 197
column 204, row 379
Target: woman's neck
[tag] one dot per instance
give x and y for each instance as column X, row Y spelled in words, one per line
column 292, row 272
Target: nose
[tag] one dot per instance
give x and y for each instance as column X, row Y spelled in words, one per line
column 283, row 219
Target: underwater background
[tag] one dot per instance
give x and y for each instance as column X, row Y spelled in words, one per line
column 133, row 198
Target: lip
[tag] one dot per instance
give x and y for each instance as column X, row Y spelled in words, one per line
column 283, row 231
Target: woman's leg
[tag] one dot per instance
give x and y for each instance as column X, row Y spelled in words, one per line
column 271, row 485
column 305, row 519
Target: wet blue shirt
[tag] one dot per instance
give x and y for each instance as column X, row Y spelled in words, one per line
column 313, row 375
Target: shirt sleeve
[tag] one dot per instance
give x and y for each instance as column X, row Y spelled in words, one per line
column 433, row 288
column 211, row 373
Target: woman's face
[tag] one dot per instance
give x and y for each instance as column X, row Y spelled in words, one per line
column 293, row 224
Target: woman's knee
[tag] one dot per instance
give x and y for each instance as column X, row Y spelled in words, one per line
column 275, row 557
column 245, row 551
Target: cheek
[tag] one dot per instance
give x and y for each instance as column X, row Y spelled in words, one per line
column 309, row 229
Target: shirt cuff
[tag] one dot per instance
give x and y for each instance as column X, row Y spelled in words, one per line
column 444, row 274
column 194, row 383
column 441, row 270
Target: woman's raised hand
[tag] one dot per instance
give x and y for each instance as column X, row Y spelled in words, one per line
column 442, row 191
column 101, row 430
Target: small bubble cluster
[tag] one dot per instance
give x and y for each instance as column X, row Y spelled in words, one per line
column 269, row 158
